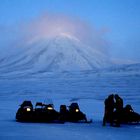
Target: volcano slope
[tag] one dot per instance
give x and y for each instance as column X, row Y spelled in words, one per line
column 61, row 53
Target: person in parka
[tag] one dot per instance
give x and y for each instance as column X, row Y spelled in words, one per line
column 109, row 109
column 119, row 109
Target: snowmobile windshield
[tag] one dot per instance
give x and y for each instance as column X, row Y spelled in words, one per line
column 26, row 103
column 38, row 105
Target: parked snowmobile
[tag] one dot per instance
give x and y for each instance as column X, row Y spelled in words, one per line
column 73, row 114
column 38, row 112
column 45, row 113
column 50, row 114
column 129, row 116
column 25, row 112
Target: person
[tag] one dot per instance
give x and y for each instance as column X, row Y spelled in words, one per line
column 119, row 102
column 119, row 109
column 109, row 109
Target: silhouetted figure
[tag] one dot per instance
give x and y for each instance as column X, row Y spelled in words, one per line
column 109, row 108
column 119, row 109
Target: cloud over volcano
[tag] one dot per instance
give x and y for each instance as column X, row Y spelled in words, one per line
column 53, row 41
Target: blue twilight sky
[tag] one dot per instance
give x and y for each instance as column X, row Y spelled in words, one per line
column 120, row 18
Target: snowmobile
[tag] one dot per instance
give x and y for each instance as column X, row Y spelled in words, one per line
column 129, row 116
column 38, row 112
column 45, row 113
column 25, row 112
column 73, row 114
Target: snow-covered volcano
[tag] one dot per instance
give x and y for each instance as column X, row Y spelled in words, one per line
column 61, row 53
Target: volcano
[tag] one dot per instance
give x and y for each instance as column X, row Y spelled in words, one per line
column 61, row 53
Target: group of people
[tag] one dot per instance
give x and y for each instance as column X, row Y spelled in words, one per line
column 113, row 110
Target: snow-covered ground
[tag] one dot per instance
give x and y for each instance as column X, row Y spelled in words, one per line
column 88, row 88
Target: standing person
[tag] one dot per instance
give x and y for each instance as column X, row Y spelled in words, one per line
column 109, row 108
column 119, row 108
